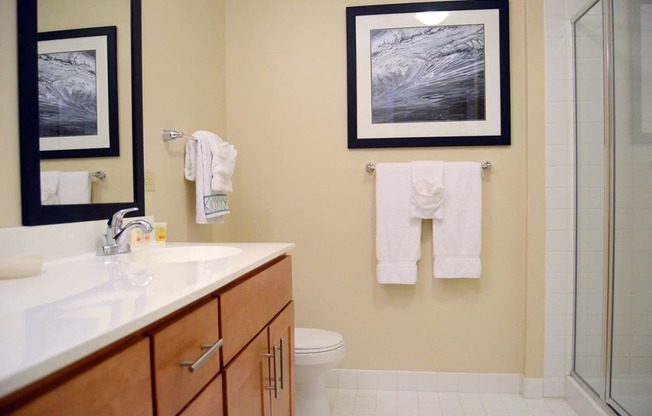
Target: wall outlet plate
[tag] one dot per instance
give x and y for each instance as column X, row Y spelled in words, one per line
column 150, row 181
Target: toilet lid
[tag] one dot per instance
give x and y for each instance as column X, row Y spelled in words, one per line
column 311, row 340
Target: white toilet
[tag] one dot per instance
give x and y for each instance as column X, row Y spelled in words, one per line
column 315, row 352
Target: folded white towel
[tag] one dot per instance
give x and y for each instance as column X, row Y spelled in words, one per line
column 457, row 237
column 398, row 235
column 50, row 187
column 74, row 188
column 210, row 206
column 426, row 199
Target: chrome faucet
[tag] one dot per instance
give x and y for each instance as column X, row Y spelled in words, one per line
column 117, row 235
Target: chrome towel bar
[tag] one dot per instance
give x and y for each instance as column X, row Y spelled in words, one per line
column 370, row 168
column 99, row 174
column 174, row 134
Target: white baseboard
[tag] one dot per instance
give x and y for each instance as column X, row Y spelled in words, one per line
column 430, row 381
column 532, row 388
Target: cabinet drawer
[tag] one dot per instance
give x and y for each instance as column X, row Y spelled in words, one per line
column 182, row 341
column 209, row 402
column 248, row 307
column 118, row 385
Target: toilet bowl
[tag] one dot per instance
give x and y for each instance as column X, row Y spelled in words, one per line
column 315, row 352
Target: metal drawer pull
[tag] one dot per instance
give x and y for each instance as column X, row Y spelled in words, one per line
column 282, row 378
column 274, row 377
column 210, row 350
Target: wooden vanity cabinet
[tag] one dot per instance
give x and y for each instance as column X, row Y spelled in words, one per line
column 281, row 336
column 262, row 373
column 249, row 325
column 259, row 343
column 255, row 318
column 118, row 384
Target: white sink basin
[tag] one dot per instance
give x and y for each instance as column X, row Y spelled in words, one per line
column 161, row 255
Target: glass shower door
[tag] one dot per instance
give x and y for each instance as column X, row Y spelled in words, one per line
column 590, row 200
column 631, row 349
column 613, row 205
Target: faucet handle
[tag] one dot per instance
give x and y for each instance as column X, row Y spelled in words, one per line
column 116, row 219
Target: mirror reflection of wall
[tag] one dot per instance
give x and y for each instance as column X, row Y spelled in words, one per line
column 56, row 15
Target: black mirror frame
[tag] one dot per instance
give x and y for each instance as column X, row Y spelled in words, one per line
column 33, row 212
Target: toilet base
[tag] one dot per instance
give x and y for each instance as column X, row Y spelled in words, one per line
column 312, row 398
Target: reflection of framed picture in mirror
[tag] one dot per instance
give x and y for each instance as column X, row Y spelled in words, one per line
column 78, row 93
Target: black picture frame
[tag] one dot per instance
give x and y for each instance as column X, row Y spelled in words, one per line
column 78, row 93
column 416, row 84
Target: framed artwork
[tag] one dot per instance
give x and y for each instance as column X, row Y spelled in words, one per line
column 428, row 74
column 78, row 93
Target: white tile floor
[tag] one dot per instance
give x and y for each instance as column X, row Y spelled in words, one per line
column 413, row 403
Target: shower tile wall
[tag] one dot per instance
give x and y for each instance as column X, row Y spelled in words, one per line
column 559, row 193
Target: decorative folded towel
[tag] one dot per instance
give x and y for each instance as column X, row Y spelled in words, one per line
column 398, row 236
column 426, row 198
column 223, row 165
column 50, row 187
column 74, row 188
column 211, row 206
column 457, row 237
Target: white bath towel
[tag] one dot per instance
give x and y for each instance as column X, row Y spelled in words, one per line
column 50, row 187
column 398, row 245
column 457, row 237
column 74, row 188
column 426, row 198
column 210, row 206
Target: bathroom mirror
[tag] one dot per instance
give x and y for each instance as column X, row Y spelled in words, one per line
column 131, row 139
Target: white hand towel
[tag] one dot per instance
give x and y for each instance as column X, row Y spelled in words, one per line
column 398, row 245
column 74, row 188
column 457, row 237
column 426, row 199
column 210, row 206
column 50, row 187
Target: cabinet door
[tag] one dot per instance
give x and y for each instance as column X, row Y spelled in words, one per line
column 247, row 380
column 208, row 402
column 281, row 334
column 118, row 385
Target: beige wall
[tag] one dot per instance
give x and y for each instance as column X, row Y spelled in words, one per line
column 9, row 163
column 536, row 183
column 296, row 181
column 184, row 84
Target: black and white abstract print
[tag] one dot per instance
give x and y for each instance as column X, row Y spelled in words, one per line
column 428, row 74
column 67, row 86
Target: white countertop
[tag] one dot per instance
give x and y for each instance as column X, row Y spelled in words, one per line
column 79, row 305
